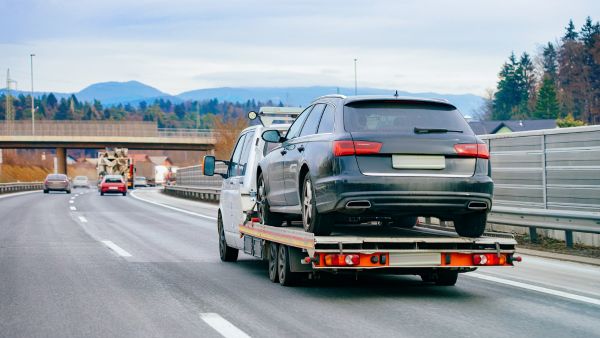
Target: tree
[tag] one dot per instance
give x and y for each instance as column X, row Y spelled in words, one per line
column 570, row 33
column 547, row 104
column 227, row 132
column 550, row 62
column 569, row 121
column 510, row 100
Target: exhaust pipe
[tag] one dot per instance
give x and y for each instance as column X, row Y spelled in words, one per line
column 473, row 205
column 361, row 204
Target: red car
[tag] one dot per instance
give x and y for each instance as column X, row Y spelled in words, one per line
column 113, row 184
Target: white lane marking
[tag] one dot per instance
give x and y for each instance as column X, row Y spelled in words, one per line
column 71, row 201
column 536, row 288
column 117, row 249
column 222, row 325
column 173, row 208
column 14, row 194
column 73, row 208
column 82, row 219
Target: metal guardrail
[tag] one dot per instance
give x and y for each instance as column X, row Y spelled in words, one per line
column 20, row 186
column 204, row 194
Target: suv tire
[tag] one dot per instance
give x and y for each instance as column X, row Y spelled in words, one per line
column 313, row 221
column 471, row 225
column 264, row 211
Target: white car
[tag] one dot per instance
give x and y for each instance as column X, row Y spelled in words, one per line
column 140, row 181
column 238, row 191
column 81, row 182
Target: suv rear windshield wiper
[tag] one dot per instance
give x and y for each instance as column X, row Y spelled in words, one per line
column 435, row 130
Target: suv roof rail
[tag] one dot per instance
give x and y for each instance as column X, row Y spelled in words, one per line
column 332, row 96
column 278, row 115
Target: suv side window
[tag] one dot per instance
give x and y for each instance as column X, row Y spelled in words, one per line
column 326, row 124
column 245, row 153
column 312, row 121
column 294, row 130
column 235, row 158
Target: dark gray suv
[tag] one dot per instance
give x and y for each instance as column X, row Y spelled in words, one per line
column 365, row 158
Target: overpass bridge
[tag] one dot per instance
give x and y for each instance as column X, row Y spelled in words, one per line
column 63, row 135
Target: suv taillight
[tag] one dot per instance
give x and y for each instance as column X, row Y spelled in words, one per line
column 346, row 148
column 479, row 150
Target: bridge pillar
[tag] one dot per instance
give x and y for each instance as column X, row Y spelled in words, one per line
column 61, row 159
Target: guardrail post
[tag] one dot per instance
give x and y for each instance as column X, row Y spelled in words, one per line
column 569, row 238
column 533, row 237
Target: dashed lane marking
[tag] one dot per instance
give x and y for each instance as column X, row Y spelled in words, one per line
column 536, row 288
column 82, row 219
column 172, row 208
column 73, row 208
column 116, row 249
column 71, row 201
column 222, row 325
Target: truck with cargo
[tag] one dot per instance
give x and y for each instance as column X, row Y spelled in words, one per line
column 292, row 253
column 115, row 161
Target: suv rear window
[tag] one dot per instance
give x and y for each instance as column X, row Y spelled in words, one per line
column 402, row 117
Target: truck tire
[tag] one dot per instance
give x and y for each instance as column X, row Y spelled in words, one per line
column 45, row 191
column 404, row 222
column 286, row 276
column 443, row 277
column 68, row 191
column 273, row 262
column 313, row 221
column 227, row 253
column 471, row 225
column 264, row 211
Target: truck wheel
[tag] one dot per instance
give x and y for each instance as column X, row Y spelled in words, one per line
column 68, row 191
column 446, row 277
column 227, row 253
column 264, row 211
column 286, row 276
column 45, row 191
column 404, row 222
column 471, row 225
column 441, row 277
column 313, row 221
column 273, row 262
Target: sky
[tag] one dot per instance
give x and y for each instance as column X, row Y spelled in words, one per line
column 438, row 46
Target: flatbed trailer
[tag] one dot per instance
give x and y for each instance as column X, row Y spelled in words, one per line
column 435, row 255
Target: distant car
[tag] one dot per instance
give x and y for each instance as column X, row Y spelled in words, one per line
column 366, row 158
column 81, row 182
column 140, row 181
column 57, row 182
column 113, row 184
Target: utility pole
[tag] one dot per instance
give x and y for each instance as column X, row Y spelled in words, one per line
column 32, row 100
column 10, row 114
column 355, row 79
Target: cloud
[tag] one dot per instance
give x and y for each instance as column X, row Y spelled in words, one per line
column 449, row 46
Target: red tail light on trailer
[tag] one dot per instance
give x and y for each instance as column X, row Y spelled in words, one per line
column 489, row 259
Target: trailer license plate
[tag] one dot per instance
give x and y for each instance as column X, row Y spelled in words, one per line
column 415, row 259
column 418, row 162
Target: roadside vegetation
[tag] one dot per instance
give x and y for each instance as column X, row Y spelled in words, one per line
column 562, row 81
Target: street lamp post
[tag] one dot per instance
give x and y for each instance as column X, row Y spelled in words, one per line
column 355, row 79
column 32, row 100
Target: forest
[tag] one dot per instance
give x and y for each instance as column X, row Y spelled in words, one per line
column 562, row 81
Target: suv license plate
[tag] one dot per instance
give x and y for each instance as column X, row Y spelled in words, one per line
column 418, row 162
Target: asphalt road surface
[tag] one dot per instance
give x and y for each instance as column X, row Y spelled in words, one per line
column 82, row 265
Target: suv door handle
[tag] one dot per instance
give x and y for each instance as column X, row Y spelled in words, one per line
column 283, row 152
column 301, row 148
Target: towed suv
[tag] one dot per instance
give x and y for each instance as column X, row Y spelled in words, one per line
column 372, row 158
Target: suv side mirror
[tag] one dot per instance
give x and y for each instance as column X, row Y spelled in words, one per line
column 272, row 136
column 208, row 166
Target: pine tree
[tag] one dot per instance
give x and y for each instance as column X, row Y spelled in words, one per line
column 550, row 62
column 512, row 94
column 570, row 34
column 547, row 103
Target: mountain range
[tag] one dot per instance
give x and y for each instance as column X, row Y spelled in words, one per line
column 133, row 92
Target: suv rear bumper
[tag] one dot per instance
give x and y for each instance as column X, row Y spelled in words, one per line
column 422, row 196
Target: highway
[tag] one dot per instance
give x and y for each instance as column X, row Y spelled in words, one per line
column 147, row 265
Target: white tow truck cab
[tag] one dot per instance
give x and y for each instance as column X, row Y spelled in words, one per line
column 435, row 255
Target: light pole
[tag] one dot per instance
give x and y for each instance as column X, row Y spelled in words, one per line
column 32, row 100
column 355, row 79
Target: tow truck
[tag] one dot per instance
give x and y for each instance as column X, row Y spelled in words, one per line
column 437, row 256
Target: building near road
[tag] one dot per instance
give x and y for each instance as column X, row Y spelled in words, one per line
column 510, row 126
